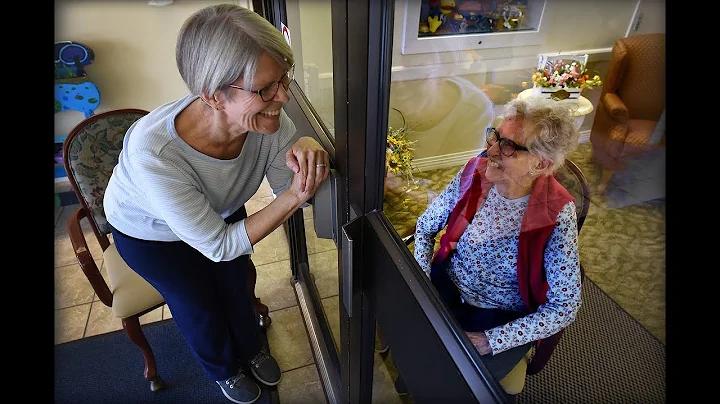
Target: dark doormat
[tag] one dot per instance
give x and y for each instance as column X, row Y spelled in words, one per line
column 108, row 368
column 65, row 199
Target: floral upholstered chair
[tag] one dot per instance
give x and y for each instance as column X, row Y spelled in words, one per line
column 90, row 153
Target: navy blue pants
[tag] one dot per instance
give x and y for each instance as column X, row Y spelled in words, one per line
column 474, row 319
column 209, row 301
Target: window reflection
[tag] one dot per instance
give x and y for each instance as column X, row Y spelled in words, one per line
column 311, row 31
column 447, row 99
column 457, row 17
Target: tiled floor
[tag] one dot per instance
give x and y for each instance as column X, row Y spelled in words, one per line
column 79, row 314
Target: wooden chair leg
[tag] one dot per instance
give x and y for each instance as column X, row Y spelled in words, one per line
column 131, row 325
column 262, row 310
column 604, row 180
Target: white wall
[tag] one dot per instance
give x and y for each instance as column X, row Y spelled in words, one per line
column 316, row 25
column 134, row 46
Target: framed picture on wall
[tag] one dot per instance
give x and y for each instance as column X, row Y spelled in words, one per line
column 451, row 25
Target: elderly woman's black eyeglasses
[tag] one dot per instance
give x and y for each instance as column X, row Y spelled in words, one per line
column 268, row 92
column 507, row 146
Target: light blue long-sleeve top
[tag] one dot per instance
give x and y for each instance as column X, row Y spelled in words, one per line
column 162, row 189
column 484, row 267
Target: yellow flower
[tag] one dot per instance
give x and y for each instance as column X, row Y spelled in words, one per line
column 399, row 153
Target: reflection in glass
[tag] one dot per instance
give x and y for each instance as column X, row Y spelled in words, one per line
column 388, row 386
column 457, row 17
column 448, row 98
column 311, row 31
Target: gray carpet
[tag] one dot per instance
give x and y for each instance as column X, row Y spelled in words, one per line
column 108, row 369
column 605, row 356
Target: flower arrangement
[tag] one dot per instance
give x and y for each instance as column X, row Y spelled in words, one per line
column 565, row 75
column 399, row 152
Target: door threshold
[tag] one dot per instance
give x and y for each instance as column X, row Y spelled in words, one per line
column 320, row 349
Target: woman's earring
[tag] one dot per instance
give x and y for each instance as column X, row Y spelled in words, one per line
column 532, row 172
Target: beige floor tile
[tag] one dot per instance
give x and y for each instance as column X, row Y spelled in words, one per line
column 72, row 287
column 166, row 314
column 64, row 253
column 288, row 339
column 315, row 244
column 383, row 390
column 308, row 213
column 62, row 222
column 324, row 267
column 272, row 248
column 301, row 386
column 273, row 285
column 103, row 321
column 153, row 316
column 70, row 323
column 331, row 308
column 264, row 191
column 256, row 203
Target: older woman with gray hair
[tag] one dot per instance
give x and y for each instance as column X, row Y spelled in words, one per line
column 175, row 201
column 507, row 266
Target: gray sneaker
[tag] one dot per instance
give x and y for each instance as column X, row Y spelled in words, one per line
column 240, row 389
column 264, row 367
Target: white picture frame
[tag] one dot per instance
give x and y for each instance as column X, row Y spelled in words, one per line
column 413, row 44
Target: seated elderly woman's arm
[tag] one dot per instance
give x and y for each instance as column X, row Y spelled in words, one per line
column 433, row 220
column 562, row 268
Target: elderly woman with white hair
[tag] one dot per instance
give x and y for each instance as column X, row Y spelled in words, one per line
column 507, row 266
column 175, row 201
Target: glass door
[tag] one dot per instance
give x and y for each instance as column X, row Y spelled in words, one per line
column 357, row 286
column 313, row 231
column 425, row 83
column 401, row 345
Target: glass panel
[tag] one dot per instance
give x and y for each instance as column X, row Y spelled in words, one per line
column 388, row 386
column 323, row 265
column 451, row 84
column 311, row 40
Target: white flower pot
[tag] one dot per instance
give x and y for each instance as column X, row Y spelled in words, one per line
column 573, row 94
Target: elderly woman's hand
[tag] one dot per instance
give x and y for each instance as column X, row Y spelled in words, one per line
column 480, row 341
column 310, row 161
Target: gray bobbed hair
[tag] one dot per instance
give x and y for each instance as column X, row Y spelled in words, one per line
column 220, row 44
column 549, row 126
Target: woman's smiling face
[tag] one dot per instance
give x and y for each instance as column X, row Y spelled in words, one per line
column 248, row 110
column 511, row 169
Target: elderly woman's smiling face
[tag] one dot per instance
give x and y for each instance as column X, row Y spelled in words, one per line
column 514, row 169
column 248, row 109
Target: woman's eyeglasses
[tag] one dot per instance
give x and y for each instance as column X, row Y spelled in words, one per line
column 268, row 92
column 507, row 146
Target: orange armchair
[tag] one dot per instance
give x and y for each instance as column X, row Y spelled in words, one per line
column 631, row 104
